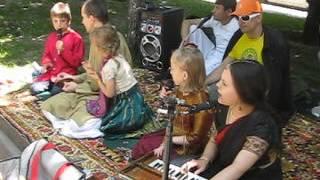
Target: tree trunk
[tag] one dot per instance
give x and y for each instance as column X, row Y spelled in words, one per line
column 311, row 34
column 133, row 28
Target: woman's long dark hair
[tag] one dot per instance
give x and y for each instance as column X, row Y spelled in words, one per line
column 252, row 85
column 250, row 81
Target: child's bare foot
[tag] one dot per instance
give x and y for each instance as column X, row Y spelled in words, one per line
column 28, row 98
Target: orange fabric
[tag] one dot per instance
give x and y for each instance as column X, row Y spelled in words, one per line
column 247, row 7
column 194, row 126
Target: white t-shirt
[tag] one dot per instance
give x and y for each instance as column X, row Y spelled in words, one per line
column 119, row 69
column 213, row 54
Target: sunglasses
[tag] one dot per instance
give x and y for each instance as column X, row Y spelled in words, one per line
column 248, row 17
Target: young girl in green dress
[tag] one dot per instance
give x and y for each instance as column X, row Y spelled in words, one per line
column 128, row 110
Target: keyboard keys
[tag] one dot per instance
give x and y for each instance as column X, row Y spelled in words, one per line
column 174, row 171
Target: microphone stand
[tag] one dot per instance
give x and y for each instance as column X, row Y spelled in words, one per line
column 168, row 140
column 187, row 37
column 198, row 27
column 172, row 103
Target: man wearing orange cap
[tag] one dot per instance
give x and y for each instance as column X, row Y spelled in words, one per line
column 268, row 47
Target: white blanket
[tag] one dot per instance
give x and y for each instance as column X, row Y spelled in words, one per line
column 14, row 78
column 70, row 128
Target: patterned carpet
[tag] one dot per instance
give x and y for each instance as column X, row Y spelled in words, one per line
column 301, row 140
column 301, row 143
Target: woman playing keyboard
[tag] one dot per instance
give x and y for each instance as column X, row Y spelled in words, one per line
column 246, row 142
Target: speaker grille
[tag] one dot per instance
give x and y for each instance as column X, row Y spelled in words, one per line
column 150, row 48
column 159, row 35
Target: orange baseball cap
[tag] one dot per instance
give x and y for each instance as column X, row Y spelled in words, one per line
column 247, row 7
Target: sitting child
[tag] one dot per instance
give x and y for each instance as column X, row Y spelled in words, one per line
column 64, row 51
column 190, row 131
column 128, row 110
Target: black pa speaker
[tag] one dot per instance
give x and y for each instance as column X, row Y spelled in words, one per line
column 158, row 36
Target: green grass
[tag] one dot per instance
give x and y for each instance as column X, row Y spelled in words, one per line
column 26, row 25
column 192, row 7
column 283, row 22
column 291, row 27
column 118, row 12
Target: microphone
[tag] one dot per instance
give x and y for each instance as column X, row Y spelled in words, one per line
column 204, row 20
column 59, row 36
column 203, row 106
column 191, row 109
column 170, row 104
column 172, row 100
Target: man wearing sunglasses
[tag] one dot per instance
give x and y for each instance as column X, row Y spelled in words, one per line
column 222, row 24
column 267, row 46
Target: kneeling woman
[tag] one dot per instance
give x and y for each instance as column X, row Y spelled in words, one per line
column 128, row 110
column 246, row 145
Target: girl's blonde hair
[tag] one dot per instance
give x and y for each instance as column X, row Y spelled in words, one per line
column 106, row 38
column 61, row 10
column 190, row 59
